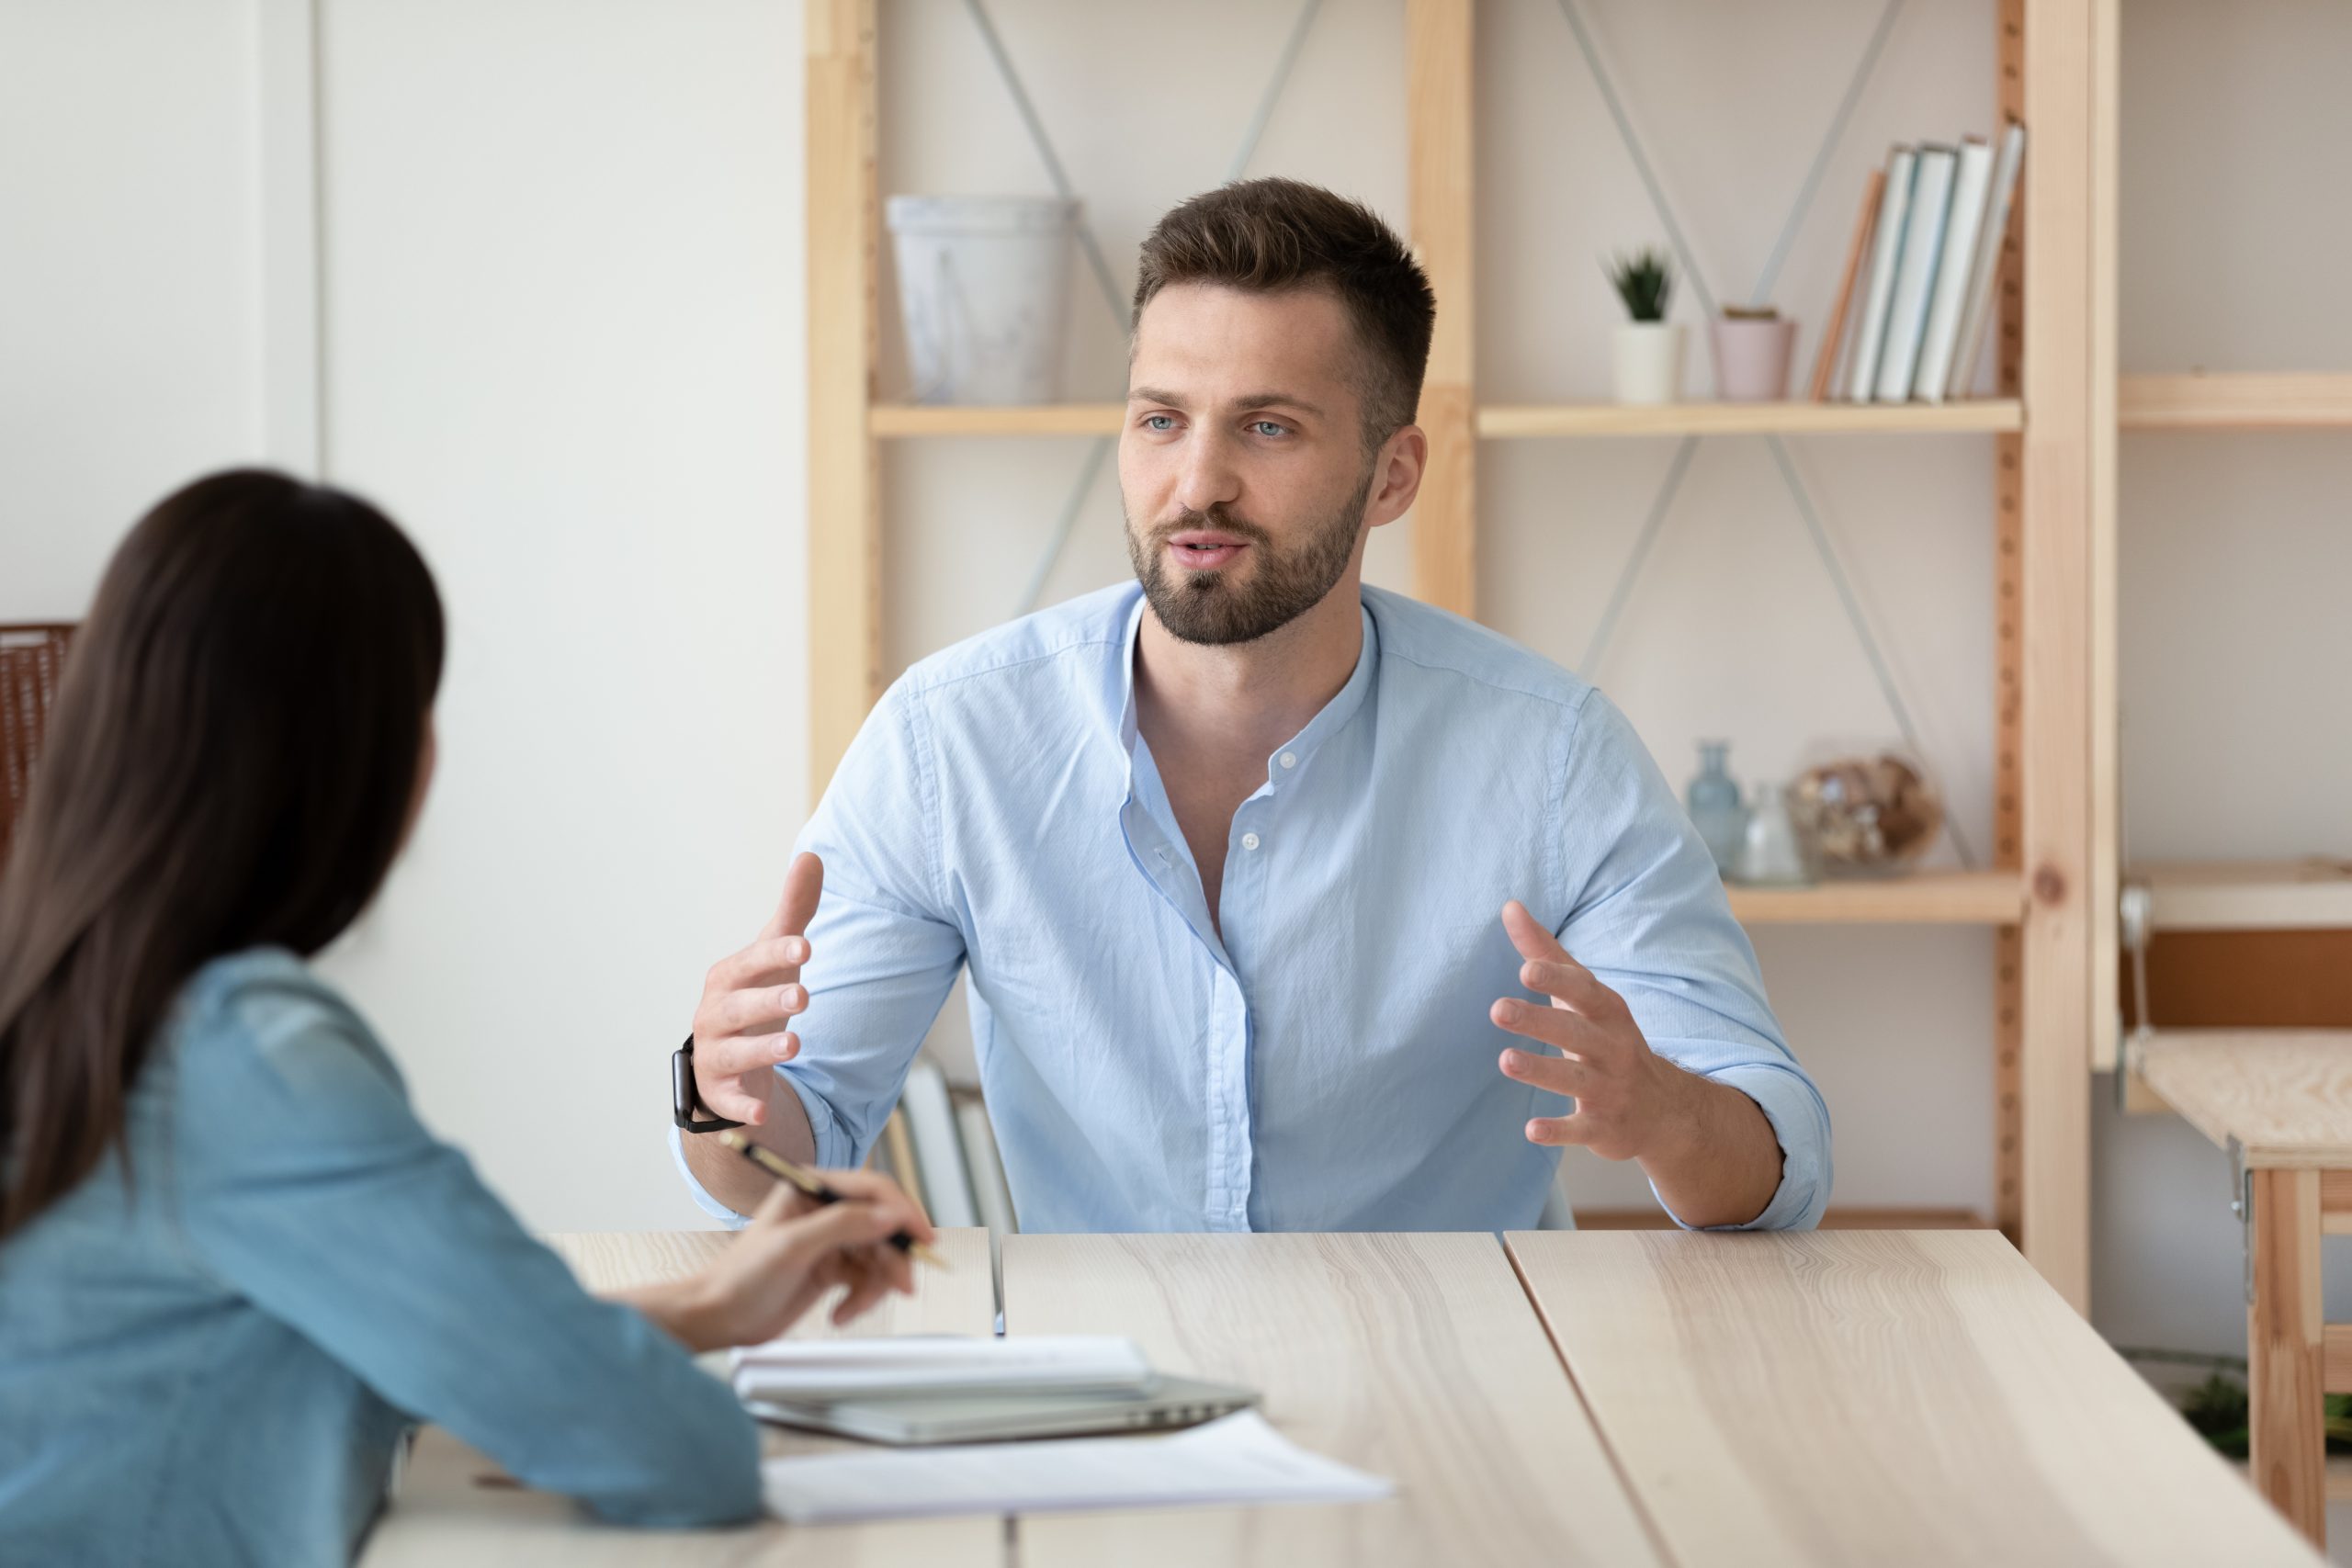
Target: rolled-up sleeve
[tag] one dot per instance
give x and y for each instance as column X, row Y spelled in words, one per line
column 884, row 949
column 1648, row 915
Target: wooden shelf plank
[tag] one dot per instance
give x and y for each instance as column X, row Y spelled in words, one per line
column 2313, row 894
column 901, row 419
column 1046, row 419
column 1749, row 419
column 1959, row 898
column 2292, row 400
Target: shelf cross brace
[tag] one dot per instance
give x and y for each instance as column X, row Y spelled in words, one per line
column 1848, row 599
column 1099, row 451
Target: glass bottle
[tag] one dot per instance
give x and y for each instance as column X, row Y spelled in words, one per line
column 1713, row 799
column 1775, row 853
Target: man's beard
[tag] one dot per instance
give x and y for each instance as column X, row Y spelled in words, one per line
column 1210, row 607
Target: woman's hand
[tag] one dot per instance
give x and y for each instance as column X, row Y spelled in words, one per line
column 789, row 1255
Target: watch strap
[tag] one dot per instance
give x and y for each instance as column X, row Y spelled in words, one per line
column 686, row 1108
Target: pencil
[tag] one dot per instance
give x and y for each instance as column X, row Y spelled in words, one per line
column 816, row 1186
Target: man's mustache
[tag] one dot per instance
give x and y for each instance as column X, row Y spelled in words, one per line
column 1217, row 519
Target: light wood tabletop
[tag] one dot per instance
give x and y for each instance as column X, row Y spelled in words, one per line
column 1873, row 1397
column 1415, row 1356
column 443, row 1516
column 2284, row 1094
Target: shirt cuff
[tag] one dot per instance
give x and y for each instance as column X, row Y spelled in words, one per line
column 833, row 1150
column 1801, row 1123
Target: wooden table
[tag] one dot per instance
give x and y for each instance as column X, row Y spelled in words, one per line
column 2280, row 1102
column 1414, row 1356
column 1877, row 1397
column 443, row 1516
column 1848, row 1397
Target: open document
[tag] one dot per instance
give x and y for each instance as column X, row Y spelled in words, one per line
column 1237, row 1460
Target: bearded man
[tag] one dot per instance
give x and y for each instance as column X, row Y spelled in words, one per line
column 1254, row 867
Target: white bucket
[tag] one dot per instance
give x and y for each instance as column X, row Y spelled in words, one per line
column 982, row 282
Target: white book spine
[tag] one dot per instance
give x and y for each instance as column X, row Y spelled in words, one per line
column 1907, row 313
column 1886, row 247
column 1949, row 298
column 946, row 1194
column 1985, row 273
column 991, row 1193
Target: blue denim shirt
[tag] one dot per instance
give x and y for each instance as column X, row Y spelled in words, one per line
column 1321, row 1058
column 215, row 1363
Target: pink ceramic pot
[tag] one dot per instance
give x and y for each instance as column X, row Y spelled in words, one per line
column 1752, row 359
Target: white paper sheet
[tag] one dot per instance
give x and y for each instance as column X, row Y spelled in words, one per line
column 1238, row 1459
column 818, row 1371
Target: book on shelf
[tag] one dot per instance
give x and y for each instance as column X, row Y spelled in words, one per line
column 1824, row 365
column 991, row 1193
column 1985, row 265
column 1886, row 249
column 1906, row 311
column 938, row 1146
column 1948, row 297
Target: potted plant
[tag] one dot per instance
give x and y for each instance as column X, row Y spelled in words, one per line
column 1752, row 348
column 1649, row 349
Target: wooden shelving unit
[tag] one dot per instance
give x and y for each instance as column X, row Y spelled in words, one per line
column 2050, row 896
column 896, row 420
column 1989, row 415
column 1947, row 898
column 1506, row 422
column 2263, row 401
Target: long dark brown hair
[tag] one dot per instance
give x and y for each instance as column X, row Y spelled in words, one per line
column 231, row 763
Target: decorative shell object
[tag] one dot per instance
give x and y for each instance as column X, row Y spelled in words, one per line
column 1868, row 814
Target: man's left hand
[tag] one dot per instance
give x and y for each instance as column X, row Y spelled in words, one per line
column 1630, row 1100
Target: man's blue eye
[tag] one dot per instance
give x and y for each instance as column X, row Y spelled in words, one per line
column 1267, row 427
column 1159, row 421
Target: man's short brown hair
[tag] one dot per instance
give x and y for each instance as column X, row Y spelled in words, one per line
column 1270, row 236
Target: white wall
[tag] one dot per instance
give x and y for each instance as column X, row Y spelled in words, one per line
column 563, row 332
column 128, row 240
column 562, row 343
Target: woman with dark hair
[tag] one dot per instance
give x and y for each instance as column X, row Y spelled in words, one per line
column 234, row 1268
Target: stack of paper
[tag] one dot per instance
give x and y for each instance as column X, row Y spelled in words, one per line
column 826, row 1372
column 1237, row 1460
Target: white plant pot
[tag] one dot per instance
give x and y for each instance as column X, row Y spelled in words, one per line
column 1649, row 361
column 981, row 285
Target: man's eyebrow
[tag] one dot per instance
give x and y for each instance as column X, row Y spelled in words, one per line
column 1254, row 400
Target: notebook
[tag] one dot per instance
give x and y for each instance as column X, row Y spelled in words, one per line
column 906, row 1420
column 824, row 1371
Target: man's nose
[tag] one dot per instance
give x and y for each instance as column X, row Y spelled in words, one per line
column 1208, row 477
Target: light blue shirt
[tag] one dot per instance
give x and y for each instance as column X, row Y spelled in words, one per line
column 214, row 1363
column 1326, row 1061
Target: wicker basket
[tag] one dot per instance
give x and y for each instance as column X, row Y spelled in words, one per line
column 31, row 661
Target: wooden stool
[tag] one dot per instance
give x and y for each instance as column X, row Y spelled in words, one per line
column 2280, row 1102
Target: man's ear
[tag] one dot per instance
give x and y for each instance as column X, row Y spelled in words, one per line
column 1396, row 476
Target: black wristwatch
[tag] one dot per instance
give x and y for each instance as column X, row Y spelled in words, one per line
column 684, row 1101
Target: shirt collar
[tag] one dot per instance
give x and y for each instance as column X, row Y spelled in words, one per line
column 1332, row 718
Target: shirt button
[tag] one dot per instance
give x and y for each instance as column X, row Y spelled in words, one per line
column 1248, row 840
column 1290, row 760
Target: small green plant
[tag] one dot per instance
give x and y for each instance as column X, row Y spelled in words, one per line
column 2217, row 1409
column 1643, row 280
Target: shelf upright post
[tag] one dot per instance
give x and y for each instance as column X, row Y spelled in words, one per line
column 2056, row 595
column 845, row 581
column 1440, row 97
column 2008, row 818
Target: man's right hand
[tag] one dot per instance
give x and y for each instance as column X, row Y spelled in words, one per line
column 749, row 1000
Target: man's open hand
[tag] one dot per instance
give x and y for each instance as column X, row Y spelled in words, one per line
column 1630, row 1100
column 749, row 1000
